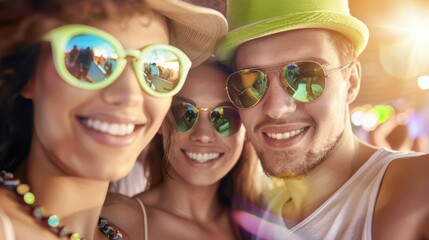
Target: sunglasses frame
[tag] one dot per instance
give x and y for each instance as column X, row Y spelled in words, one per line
column 210, row 116
column 59, row 37
column 282, row 66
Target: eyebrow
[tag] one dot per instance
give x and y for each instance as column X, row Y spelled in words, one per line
column 187, row 100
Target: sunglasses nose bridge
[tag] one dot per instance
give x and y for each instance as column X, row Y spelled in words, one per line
column 277, row 101
column 275, row 74
column 200, row 114
column 202, row 130
column 203, row 109
column 132, row 53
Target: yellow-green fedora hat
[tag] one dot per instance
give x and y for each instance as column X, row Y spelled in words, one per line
column 251, row 19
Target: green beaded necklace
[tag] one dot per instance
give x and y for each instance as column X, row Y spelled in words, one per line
column 51, row 221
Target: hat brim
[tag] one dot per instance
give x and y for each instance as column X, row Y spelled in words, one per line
column 193, row 29
column 347, row 25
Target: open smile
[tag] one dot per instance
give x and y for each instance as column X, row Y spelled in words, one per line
column 203, row 157
column 111, row 128
column 284, row 135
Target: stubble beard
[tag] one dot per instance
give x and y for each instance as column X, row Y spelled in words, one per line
column 286, row 167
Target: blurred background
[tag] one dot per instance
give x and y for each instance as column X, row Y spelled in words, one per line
column 392, row 108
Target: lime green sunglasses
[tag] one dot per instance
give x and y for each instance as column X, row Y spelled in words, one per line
column 89, row 58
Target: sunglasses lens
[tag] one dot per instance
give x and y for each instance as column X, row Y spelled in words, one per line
column 245, row 88
column 89, row 59
column 185, row 116
column 226, row 121
column 304, row 81
column 162, row 70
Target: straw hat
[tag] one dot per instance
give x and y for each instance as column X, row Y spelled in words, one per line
column 194, row 29
column 251, row 19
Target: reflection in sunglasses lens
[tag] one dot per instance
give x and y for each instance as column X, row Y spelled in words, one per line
column 303, row 81
column 90, row 59
column 185, row 116
column 161, row 70
column 246, row 88
column 225, row 120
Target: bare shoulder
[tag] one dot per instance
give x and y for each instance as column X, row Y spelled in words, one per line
column 6, row 228
column 20, row 219
column 11, row 207
column 402, row 209
column 117, row 199
column 123, row 212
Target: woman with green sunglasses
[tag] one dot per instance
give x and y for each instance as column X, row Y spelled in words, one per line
column 200, row 168
column 76, row 108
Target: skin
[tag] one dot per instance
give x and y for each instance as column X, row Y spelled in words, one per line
column 70, row 165
column 202, row 138
column 319, row 131
column 323, row 153
column 194, row 212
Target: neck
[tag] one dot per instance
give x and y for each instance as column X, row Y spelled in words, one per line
column 199, row 203
column 75, row 199
column 311, row 191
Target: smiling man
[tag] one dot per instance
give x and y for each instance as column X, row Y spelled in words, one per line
column 335, row 186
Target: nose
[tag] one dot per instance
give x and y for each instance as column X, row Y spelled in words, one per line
column 203, row 131
column 276, row 102
column 125, row 90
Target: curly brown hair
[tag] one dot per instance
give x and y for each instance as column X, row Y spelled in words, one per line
column 20, row 34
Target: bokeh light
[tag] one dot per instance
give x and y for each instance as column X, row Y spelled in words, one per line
column 417, row 125
column 423, row 82
column 369, row 117
column 405, row 54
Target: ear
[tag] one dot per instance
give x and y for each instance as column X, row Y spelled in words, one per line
column 28, row 90
column 354, row 82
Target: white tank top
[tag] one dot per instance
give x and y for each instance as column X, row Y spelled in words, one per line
column 347, row 214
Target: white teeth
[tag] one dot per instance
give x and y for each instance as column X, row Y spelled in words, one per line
column 285, row 135
column 202, row 157
column 117, row 129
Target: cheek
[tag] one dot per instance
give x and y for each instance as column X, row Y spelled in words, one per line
column 235, row 144
column 53, row 99
column 247, row 116
column 329, row 111
column 333, row 99
column 51, row 88
column 174, row 145
column 156, row 109
column 56, row 105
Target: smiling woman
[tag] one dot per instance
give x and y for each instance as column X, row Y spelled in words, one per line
column 75, row 106
column 201, row 169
